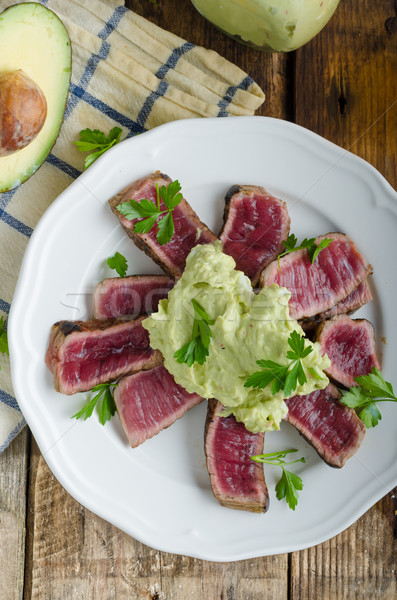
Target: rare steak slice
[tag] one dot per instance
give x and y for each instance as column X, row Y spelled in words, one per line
column 133, row 296
column 350, row 346
column 255, row 225
column 189, row 230
column 83, row 354
column 316, row 288
column 359, row 296
column 236, row 480
column 333, row 429
column 150, row 401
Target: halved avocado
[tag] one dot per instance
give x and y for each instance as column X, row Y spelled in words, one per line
column 33, row 39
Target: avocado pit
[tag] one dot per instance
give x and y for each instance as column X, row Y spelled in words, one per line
column 23, row 111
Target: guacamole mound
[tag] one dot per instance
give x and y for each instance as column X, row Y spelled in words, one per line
column 247, row 327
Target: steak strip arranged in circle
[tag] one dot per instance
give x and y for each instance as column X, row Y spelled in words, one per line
column 236, row 480
column 255, row 223
column 83, row 354
column 318, row 287
column 189, row 230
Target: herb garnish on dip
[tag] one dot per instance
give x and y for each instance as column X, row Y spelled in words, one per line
column 245, row 327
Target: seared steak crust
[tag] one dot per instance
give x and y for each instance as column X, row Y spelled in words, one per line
column 236, row 480
column 333, row 429
column 189, row 230
column 254, row 227
column 83, row 354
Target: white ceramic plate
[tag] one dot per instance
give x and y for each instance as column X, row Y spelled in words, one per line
column 160, row 492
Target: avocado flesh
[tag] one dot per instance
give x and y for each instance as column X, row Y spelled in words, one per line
column 34, row 39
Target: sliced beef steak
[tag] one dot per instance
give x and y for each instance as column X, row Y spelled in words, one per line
column 316, row 288
column 333, row 429
column 189, row 230
column 133, row 296
column 236, row 480
column 359, row 296
column 150, row 401
column 350, row 346
column 255, row 225
column 83, row 354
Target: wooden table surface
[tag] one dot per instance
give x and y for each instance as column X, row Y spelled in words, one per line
column 343, row 86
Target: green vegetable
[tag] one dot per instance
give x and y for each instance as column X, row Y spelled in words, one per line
column 289, row 483
column 283, row 377
column 372, row 388
column 106, row 408
column 96, row 142
column 308, row 244
column 150, row 212
column 118, row 262
column 3, row 339
column 197, row 349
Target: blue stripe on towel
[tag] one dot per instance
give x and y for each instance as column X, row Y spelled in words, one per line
column 9, row 400
column 173, row 59
column 94, row 60
column 150, row 100
column 113, row 22
column 170, row 63
column 105, row 109
column 4, row 306
column 230, row 93
column 6, row 197
column 13, row 434
column 15, row 223
column 63, row 166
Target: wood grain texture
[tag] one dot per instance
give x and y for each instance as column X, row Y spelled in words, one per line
column 346, row 90
column 13, row 478
column 74, row 554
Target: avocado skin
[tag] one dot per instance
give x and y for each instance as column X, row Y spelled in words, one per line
column 32, row 14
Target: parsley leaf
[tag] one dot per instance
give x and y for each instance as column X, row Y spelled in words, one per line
column 151, row 213
column 308, row 243
column 119, row 263
column 289, row 483
column 106, row 408
column 283, row 377
column 3, row 338
column 96, row 142
column 371, row 389
column 197, row 349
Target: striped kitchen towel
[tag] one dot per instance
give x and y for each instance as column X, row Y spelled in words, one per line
column 128, row 73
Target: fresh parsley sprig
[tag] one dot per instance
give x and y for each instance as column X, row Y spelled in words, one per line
column 283, row 377
column 119, row 263
column 309, row 244
column 150, row 212
column 289, row 483
column 96, row 142
column 371, row 389
column 106, row 406
column 3, row 338
column 197, row 349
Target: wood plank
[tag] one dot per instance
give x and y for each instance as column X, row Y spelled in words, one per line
column 74, row 554
column 13, row 479
column 346, row 90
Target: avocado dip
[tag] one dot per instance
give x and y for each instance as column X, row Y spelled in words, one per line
column 246, row 327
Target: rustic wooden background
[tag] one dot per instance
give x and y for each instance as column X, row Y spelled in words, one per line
column 342, row 85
